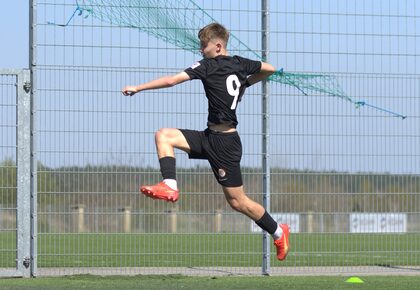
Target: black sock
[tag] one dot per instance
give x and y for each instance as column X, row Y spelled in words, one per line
column 267, row 223
column 167, row 167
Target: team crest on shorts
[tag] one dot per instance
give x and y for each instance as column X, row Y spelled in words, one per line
column 222, row 172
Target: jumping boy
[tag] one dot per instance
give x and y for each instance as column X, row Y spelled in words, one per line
column 225, row 79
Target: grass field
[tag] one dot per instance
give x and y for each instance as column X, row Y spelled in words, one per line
column 207, row 283
column 227, row 250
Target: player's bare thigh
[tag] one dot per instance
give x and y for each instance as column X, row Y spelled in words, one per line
column 167, row 138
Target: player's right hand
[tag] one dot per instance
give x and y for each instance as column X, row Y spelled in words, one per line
column 129, row 90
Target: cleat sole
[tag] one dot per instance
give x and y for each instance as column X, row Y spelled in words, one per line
column 150, row 194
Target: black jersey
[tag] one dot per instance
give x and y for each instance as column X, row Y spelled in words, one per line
column 224, row 80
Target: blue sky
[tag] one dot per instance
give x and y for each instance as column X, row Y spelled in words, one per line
column 375, row 58
column 14, row 23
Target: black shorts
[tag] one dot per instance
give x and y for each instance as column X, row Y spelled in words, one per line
column 222, row 150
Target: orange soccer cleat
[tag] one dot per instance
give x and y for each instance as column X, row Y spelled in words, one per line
column 282, row 244
column 160, row 191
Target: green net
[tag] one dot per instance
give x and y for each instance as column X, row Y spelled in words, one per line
column 178, row 22
column 171, row 21
column 325, row 84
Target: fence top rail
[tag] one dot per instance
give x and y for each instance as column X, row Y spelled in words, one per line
column 11, row 71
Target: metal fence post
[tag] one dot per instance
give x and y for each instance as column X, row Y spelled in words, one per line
column 265, row 136
column 23, row 173
column 33, row 158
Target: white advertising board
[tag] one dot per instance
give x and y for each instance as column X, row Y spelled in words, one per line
column 378, row 223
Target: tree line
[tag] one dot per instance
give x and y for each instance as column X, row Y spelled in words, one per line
column 291, row 190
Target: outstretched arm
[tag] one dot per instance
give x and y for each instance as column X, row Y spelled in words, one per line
column 266, row 71
column 163, row 82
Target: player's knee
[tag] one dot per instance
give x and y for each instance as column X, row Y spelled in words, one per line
column 161, row 136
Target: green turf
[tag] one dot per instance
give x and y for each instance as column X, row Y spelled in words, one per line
column 215, row 250
column 203, row 283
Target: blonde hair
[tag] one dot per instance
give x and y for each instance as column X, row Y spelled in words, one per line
column 213, row 31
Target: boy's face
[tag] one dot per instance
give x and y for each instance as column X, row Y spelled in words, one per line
column 211, row 48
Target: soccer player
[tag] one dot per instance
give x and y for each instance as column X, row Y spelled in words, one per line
column 225, row 79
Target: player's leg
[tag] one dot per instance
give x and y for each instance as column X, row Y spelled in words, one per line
column 166, row 140
column 240, row 202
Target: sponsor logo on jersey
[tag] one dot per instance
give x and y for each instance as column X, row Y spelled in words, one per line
column 196, row 64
